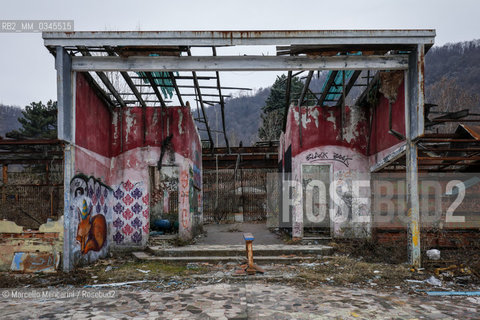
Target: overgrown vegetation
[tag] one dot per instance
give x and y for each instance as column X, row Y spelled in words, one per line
column 344, row 270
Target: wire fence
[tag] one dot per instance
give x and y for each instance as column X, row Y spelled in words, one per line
column 31, row 193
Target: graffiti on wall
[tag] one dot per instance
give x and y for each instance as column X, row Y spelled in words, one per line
column 197, row 172
column 184, row 199
column 352, row 208
column 90, row 206
column 322, row 156
column 35, row 261
column 130, row 213
column 91, row 230
column 164, row 193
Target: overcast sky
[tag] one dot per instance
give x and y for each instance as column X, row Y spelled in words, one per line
column 27, row 70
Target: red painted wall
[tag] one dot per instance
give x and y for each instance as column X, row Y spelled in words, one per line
column 328, row 130
column 380, row 139
column 93, row 120
column 111, row 134
column 176, row 121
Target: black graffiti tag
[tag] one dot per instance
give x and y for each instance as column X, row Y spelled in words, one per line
column 320, row 156
column 317, row 156
column 341, row 158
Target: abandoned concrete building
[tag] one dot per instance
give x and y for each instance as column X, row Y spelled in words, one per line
column 131, row 152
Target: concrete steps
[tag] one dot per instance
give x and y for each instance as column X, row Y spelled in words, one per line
column 239, row 250
column 216, row 259
column 315, row 240
column 234, row 253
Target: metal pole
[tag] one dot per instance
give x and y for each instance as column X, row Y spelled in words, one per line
column 66, row 119
column 414, row 127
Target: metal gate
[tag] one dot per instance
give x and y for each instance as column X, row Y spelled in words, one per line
column 227, row 192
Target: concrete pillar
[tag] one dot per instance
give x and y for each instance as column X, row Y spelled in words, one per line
column 414, row 127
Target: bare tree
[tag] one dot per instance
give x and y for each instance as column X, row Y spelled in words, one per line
column 451, row 97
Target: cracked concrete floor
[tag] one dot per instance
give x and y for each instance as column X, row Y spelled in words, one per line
column 248, row 300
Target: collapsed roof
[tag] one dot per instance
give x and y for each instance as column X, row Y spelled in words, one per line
column 163, row 68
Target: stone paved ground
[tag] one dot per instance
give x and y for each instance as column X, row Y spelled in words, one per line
column 247, row 300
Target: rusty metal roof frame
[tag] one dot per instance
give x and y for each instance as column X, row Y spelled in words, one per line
column 30, row 151
column 457, row 151
column 443, row 152
column 128, row 52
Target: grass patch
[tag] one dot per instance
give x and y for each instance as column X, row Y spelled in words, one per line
column 130, row 271
column 343, row 270
column 370, row 251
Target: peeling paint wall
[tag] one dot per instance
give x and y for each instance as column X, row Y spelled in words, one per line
column 47, row 241
column 350, row 149
column 175, row 131
column 92, row 128
column 346, row 158
column 322, row 126
column 117, row 149
column 380, row 139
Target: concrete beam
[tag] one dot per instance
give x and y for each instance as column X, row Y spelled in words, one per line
column 387, row 160
column 229, row 38
column 238, row 63
column 68, row 219
column 416, row 98
column 63, row 65
column 414, row 127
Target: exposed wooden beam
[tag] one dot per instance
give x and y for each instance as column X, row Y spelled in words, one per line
column 103, row 95
column 305, row 87
column 238, row 63
column 222, row 103
column 103, row 77
column 202, row 106
column 349, row 86
column 228, row 38
column 176, row 87
column 327, row 87
column 155, row 89
column 287, row 99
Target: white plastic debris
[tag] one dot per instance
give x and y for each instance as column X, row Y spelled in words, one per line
column 108, row 268
column 117, row 284
column 414, row 281
column 433, row 254
column 143, row 271
column 434, row 281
